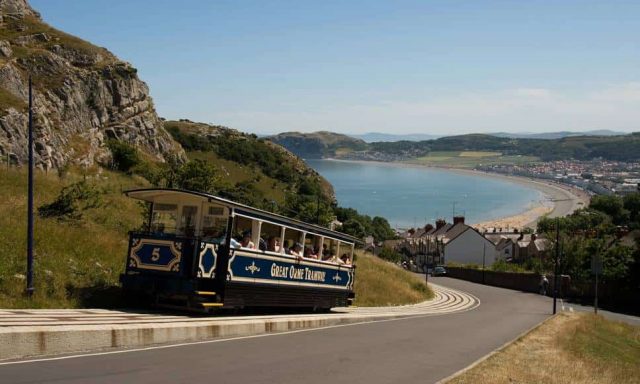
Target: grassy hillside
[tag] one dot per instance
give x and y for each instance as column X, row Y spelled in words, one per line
column 623, row 147
column 381, row 283
column 78, row 261
column 242, row 158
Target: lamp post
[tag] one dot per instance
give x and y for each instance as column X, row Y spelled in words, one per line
column 30, row 289
column 484, row 251
column 555, row 267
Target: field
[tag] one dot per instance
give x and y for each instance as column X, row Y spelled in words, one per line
column 569, row 348
column 77, row 262
column 469, row 159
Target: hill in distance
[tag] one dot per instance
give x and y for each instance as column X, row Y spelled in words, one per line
column 557, row 135
column 318, row 145
column 371, row 137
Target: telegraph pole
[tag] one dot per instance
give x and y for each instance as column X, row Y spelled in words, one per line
column 30, row 288
column 555, row 268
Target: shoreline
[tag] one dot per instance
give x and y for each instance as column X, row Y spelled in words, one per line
column 559, row 199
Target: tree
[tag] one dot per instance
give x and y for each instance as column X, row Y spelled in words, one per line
column 612, row 206
column 196, row 175
column 632, row 204
column 381, row 230
column 124, row 155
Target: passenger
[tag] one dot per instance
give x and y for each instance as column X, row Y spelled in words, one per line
column 246, row 241
column 273, row 244
column 296, row 250
column 262, row 245
column 344, row 259
column 308, row 253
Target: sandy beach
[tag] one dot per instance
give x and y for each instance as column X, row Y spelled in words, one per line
column 559, row 199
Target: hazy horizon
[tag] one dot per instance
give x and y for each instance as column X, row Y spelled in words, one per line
column 407, row 67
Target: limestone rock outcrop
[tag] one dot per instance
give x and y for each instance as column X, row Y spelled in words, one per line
column 83, row 96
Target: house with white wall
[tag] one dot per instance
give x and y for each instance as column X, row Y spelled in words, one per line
column 464, row 244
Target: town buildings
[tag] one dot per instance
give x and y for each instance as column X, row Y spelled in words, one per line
column 460, row 243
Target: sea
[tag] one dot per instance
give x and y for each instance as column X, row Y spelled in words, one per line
column 410, row 196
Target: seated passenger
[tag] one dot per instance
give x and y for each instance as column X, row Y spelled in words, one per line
column 296, row 249
column 344, row 259
column 246, row 241
column 262, row 245
column 308, row 253
column 273, row 244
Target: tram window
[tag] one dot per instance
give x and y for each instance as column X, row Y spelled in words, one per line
column 242, row 232
column 329, row 249
column 345, row 253
column 270, row 234
column 293, row 242
column 164, row 218
column 311, row 246
column 214, row 222
column 188, row 220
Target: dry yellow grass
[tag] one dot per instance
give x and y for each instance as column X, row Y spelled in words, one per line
column 570, row 348
column 381, row 283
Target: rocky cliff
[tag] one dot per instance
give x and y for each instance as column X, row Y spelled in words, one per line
column 83, row 96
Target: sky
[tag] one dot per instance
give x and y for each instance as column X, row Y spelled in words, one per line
column 435, row 67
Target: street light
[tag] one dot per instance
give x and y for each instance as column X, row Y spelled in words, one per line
column 555, row 269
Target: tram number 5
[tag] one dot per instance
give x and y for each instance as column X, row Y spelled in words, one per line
column 155, row 255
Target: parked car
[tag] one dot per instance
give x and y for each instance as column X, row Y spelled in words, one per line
column 439, row 271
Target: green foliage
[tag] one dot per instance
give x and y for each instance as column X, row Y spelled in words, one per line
column 124, row 155
column 612, row 206
column 358, row 225
column 503, row 266
column 72, row 202
column 632, row 204
column 390, row 255
column 195, row 175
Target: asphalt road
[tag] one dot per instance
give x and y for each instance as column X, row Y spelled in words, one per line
column 413, row 350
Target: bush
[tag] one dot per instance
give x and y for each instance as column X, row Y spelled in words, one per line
column 72, row 201
column 124, row 155
column 390, row 255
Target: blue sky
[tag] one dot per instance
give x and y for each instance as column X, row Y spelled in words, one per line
column 439, row 67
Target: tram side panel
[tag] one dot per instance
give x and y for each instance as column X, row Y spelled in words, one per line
column 255, row 278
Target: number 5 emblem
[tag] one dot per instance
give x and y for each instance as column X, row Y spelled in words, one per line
column 155, row 255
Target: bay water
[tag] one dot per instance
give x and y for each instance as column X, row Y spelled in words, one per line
column 410, row 196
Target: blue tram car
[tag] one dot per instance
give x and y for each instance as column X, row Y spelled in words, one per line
column 201, row 252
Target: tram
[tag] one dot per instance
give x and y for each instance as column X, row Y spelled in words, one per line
column 201, row 252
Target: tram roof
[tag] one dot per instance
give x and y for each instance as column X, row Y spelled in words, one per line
column 149, row 194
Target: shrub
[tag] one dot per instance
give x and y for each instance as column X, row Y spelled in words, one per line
column 72, row 201
column 124, row 155
column 390, row 255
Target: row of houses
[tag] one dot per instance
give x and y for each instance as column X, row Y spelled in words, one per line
column 461, row 243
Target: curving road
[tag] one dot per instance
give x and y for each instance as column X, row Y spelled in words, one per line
column 424, row 348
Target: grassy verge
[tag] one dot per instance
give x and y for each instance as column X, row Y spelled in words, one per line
column 570, row 348
column 381, row 283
